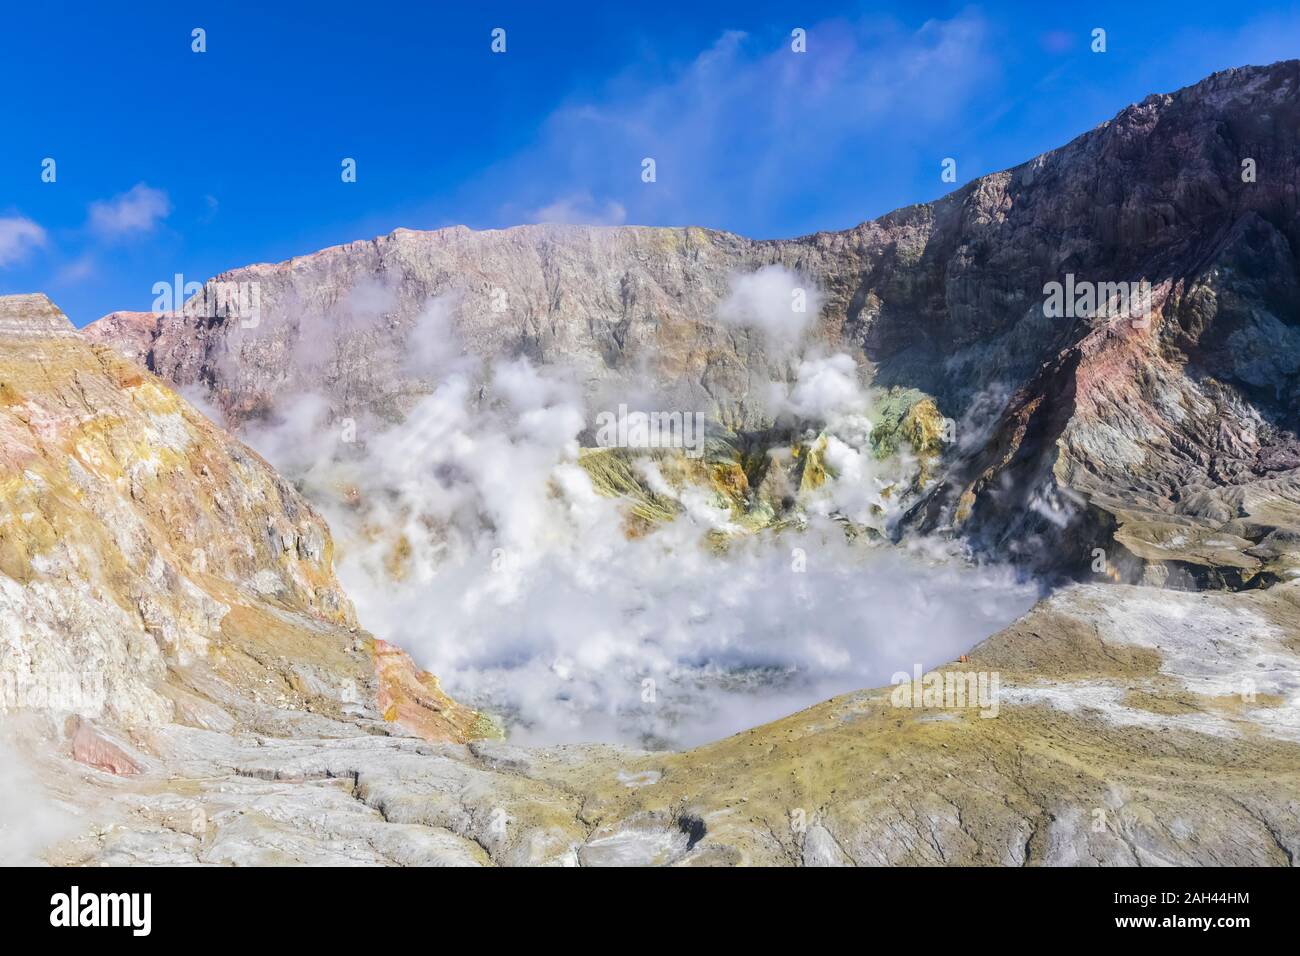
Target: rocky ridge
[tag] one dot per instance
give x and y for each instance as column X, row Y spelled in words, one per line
column 1168, row 442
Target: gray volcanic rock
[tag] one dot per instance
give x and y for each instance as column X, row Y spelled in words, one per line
column 611, row 304
column 1135, row 727
column 1168, row 443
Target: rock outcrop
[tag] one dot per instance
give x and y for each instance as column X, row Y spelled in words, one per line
column 153, row 570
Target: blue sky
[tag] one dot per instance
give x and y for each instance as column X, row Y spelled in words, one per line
column 170, row 161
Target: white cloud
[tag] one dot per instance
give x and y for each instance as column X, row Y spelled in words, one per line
column 777, row 302
column 581, row 208
column 78, row 270
column 31, row 818
column 825, row 388
column 749, row 123
column 135, row 212
column 18, row 236
column 521, row 588
column 432, row 349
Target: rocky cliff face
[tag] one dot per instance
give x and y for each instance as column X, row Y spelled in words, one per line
column 154, row 571
column 1167, row 440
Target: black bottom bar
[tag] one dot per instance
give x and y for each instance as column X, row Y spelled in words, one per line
column 218, row 905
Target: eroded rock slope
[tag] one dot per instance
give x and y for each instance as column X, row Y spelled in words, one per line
column 155, row 572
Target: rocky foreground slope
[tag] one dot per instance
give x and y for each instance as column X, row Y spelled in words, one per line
column 155, row 572
column 1168, row 440
column 1118, row 741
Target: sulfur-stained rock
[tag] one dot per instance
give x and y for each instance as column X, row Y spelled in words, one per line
column 156, row 570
